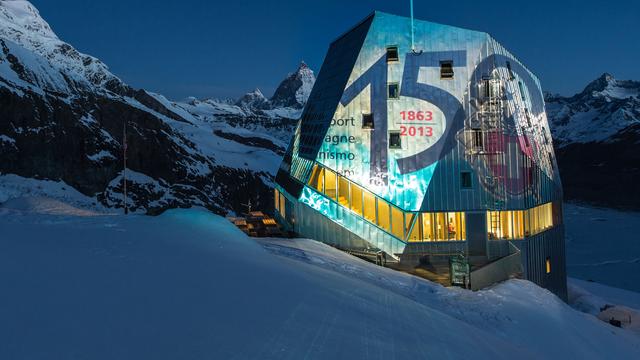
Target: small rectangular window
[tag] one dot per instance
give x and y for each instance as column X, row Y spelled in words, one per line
column 521, row 87
column 548, row 265
column 446, row 69
column 465, row 180
column 511, row 76
column 393, row 91
column 477, row 139
column 392, row 54
column 283, row 206
column 394, row 140
column 527, row 115
column 367, row 121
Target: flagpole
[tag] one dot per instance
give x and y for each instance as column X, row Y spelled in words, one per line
column 413, row 48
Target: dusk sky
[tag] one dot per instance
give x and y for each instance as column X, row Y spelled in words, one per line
column 223, row 49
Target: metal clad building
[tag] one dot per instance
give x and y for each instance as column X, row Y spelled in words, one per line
column 425, row 150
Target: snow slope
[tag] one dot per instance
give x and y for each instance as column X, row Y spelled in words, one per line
column 188, row 285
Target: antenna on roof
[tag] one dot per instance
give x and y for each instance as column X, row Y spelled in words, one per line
column 413, row 47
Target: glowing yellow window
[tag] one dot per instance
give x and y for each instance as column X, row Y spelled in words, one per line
column 369, row 206
column 283, row 209
column 455, row 226
column 416, row 232
column 548, row 265
column 343, row 191
column 408, row 221
column 276, row 200
column 330, row 184
column 383, row 215
column 427, row 227
column 518, row 224
column 441, row 227
column 397, row 222
column 317, row 178
column 356, row 199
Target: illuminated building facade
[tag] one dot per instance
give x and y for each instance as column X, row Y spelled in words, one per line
column 427, row 150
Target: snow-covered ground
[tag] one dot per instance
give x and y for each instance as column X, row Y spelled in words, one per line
column 189, row 285
column 603, row 245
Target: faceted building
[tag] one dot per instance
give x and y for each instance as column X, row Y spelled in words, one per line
column 427, row 147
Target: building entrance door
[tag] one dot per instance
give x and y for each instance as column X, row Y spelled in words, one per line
column 477, row 233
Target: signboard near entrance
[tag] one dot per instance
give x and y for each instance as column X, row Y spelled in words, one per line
column 459, row 270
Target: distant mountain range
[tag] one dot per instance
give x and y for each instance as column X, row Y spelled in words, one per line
column 63, row 116
column 597, row 141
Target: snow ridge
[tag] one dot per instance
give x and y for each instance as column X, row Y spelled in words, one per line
column 605, row 108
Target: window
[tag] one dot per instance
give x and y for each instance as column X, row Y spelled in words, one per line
column 397, row 222
column 408, row 219
column 330, row 184
column 527, row 116
column 511, row 76
column 383, row 215
column 416, row 232
column 367, row 121
column 441, row 226
column 456, row 227
column 316, row 180
column 500, row 225
column 343, row 191
column 369, row 206
column 446, row 69
column 283, row 206
column 486, row 87
column 394, row 140
column 465, row 180
column 477, row 139
column 518, row 224
column 276, row 200
column 356, row 199
column 521, row 87
column 548, row 265
column 427, row 227
column 392, row 54
column 393, row 91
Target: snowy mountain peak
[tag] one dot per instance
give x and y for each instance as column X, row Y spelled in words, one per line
column 295, row 89
column 607, row 87
column 252, row 100
column 20, row 14
column 605, row 108
column 40, row 59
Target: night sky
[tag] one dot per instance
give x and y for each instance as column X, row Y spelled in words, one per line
column 224, row 49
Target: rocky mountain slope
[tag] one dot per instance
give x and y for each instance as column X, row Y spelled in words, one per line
column 597, row 139
column 63, row 116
